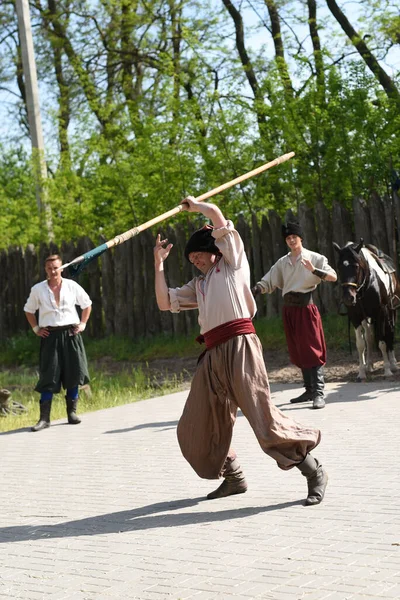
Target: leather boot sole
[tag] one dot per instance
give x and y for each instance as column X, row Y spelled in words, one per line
column 304, row 397
column 74, row 420
column 227, row 489
column 39, row 426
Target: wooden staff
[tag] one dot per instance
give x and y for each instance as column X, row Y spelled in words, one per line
column 123, row 237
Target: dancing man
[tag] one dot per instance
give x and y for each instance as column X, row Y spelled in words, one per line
column 231, row 372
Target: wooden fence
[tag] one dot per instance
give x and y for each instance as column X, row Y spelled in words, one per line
column 121, row 282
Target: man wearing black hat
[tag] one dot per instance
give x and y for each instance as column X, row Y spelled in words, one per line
column 231, row 372
column 297, row 274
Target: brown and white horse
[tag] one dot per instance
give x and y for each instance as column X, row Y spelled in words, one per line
column 370, row 291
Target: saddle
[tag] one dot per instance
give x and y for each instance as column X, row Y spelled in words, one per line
column 387, row 265
column 384, row 261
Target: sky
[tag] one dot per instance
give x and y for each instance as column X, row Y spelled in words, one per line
column 255, row 39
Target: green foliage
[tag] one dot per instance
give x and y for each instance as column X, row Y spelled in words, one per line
column 126, row 349
column 19, row 350
column 154, row 103
column 22, row 350
column 19, row 221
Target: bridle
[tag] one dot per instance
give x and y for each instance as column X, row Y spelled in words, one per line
column 358, row 286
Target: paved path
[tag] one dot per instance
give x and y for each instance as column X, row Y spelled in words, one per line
column 109, row 509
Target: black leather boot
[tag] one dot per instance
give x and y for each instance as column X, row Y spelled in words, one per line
column 73, row 418
column 317, row 479
column 234, row 481
column 44, row 419
column 307, row 395
column 318, row 387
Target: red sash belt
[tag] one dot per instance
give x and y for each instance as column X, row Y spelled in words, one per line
column 225, row 332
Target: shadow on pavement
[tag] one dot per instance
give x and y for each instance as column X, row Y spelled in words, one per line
column 166, row 425
column 347, row 392
column 138, row 519
column 21, row 430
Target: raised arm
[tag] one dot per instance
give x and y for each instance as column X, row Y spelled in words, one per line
column 210, row 211
column 160, row 255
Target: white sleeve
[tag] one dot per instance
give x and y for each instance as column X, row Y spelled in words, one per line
column 32, row 304
column 183, row 298
column 82, row 298
column 230, row 244
column 272, row 280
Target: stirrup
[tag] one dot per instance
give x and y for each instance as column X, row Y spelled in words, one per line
column 394, row 302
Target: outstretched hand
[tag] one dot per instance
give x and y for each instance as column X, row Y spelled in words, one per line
column 256, row 291
column 160, row 252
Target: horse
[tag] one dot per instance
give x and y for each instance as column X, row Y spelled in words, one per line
column 371, row 293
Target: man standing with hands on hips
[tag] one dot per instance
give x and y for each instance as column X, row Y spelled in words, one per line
column 297, row 274
column 62, row 353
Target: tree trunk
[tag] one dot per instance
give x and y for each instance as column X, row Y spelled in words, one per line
column 259, row 104
column 366, row 54
column 63, row 117
column 318, row 59
column 279, row 51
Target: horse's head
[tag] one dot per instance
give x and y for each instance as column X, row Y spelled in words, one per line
column 351, row 270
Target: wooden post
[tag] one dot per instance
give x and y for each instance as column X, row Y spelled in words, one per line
column 33, row 108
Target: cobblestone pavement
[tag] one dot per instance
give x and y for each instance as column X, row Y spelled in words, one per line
column 109, row 509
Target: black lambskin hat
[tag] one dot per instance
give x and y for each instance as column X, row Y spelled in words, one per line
column 202, row 241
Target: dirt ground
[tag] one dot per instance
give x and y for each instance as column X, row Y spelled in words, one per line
column 341, row 366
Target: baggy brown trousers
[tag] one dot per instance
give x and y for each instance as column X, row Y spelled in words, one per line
column 232, row 375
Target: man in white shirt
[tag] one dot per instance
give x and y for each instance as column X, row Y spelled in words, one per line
column 231, row 372
column 297, row 274
column 62, row 353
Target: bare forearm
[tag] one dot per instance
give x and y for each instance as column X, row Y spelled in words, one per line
column 86, row 314
column 331, row 276
column 31, row 318
column 161, row 288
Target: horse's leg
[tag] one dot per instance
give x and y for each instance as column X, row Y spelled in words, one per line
column 392, row 358
column 369, row 336
column 390, row 324
column 360, row 343
column 392, row 361
column 386, row 362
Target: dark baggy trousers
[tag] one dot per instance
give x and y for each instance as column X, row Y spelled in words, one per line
column 62, row 362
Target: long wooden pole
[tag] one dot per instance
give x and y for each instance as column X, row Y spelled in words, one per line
column 123, row 237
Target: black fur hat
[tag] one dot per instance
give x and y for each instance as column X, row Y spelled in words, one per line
column 202, row 241
column 292, row 228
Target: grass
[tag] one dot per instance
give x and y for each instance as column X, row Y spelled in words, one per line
column 105, row 391
column 19, row 357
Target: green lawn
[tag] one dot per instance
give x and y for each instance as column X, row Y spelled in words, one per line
column 127, row 383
